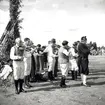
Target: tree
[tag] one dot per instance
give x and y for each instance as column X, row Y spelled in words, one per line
column 12, row 30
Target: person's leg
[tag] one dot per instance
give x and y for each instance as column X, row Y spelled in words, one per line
column 50, row 73
column 64, row 71
column 72, row 74
column 84, row 79
column 16, row 82
column 21, row 81
column 27, row 72
column 85, row 71
column 16, row 72
column 36, row 63
column 75, row 75
column 26, row 82
column 56, row 67
column 32, row 74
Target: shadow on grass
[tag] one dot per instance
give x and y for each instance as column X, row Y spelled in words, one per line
column 94, row 77
column 54, row 87
column 98, row 83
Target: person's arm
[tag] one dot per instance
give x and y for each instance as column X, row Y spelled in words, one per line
column 12, row 54
column 83, row 50
column 46, row 50
column 66, row 52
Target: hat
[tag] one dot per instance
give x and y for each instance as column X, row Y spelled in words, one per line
column 53, row 40
column 26, row 39
column 84, row 38
column 75, row 44
column 64, row 42
column 38, row 45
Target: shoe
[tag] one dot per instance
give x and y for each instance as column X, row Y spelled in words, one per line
column 27, row 87
column 63, row 86
column 86, row 85
column 17, row 92
column 30, row 85
column 22, row 90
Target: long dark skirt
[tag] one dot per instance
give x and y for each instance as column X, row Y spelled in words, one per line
column 32, row 74
column 84, row 69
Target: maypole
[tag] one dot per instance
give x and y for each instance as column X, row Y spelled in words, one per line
column 12, row 30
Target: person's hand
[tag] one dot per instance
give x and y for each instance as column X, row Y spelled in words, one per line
column 20, row 58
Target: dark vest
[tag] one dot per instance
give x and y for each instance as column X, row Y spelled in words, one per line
column 63, row 59
column 19, row 51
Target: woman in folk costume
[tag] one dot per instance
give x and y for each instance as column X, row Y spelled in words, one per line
column 27, row 62
column 73, row 61
column 84, row 52
column 17, row 55
column 63, row 58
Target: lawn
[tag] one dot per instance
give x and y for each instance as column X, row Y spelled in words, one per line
column 46, row 93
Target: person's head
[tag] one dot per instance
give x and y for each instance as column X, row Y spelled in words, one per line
column 53, row 41
column 26, row 41
column 49, row 42
column 38, row 45
column 84, row 39
column 65, row 44
column 75, row 44
column 18, row 41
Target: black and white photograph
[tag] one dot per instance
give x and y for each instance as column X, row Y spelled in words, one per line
column 52, row 52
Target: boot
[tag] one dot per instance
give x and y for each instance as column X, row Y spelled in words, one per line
column 21, row 85
column 72, row 74
column 28, row 77
column 49, row 75
column 75, row 75
column 16, row 86
column 52, row 76
column 26, row 82
column 62, row 83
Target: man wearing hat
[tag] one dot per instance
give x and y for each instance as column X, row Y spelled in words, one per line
column 16, row 54
column 63, row 58
column 83, row 52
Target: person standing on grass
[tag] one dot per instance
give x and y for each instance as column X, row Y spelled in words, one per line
column 27, row 62
column 73, row 61
column 83, row 52
column 51, row 58
column 63, row 58
column 39, row 59
column 17, row 55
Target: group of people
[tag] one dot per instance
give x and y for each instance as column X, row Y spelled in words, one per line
column 73, row 58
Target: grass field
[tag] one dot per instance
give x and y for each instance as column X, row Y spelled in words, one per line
column 46, row 93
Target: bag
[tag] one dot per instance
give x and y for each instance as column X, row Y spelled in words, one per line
column 41, row 76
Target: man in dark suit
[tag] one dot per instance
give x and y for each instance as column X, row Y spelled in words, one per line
column 84, row 52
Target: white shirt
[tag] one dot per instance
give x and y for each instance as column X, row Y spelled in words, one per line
column 12, row 55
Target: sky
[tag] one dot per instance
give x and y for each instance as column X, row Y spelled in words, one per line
column 60, row 19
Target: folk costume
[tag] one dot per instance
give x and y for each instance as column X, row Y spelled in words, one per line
column 83, row 52
column 63, row 58
column 73, row 63
column 27, row 63
column 51, row 60
column 16, row 54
